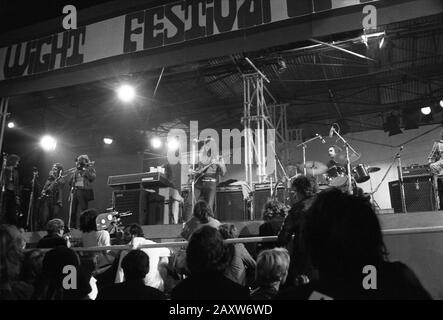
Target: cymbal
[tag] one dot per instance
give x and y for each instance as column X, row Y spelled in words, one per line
column 373, row 169
column 315, row 167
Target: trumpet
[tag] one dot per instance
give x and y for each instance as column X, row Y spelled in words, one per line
column 85, row 164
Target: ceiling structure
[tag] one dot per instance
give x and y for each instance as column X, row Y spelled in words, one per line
column 320, row 84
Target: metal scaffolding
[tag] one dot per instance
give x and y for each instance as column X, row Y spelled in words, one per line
column 257, row 117
column 254, row 125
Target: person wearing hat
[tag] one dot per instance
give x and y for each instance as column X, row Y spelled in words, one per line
column 52, row 195
column 81, row 186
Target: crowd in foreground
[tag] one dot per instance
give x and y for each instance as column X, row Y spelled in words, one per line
column 330, row 246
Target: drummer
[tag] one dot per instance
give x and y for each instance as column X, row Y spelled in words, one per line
column 332, row 164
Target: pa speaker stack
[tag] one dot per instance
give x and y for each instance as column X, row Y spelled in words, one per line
column 262, row 195
column 230, row 204
column 419, row 194
column 147, row 208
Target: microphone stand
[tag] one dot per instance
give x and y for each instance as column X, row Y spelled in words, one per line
column 304, row 145
column 3, row 183
column 193, row 176
column 285, row 176
column 400, row 180
column 30, row 220
column 397, row 156
column 71, row 193
column 348, row 164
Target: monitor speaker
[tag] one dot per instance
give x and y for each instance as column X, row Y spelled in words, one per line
column 230, row 206
column 419, row 195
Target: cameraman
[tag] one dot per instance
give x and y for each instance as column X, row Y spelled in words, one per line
column 81, row 186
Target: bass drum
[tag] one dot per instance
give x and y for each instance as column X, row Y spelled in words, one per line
column 340, row 181
column 323, row 186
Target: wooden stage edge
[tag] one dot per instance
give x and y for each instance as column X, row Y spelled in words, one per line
column 392, row 224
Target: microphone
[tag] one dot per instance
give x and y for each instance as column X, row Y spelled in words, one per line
column 321, row 138
column 331, row 131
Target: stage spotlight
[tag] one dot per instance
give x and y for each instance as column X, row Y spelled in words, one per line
column 48, row 143
column 126, row 93
column 156, row 143
column 11, row 124
column 426, row 110
column 108, row 140
column 281, row 65
column 173, row 144
column 410, row 119
column 441, row 103
column 392, row 125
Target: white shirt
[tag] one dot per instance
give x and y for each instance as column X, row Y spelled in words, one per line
column 153, row 278
column 98, row 239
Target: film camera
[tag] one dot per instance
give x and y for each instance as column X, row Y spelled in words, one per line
column 111, row 221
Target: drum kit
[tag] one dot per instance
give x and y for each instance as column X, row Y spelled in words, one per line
column 336, row 175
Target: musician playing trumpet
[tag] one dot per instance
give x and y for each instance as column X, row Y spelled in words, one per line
column 207, row 172
column 81, row 188
column 51, row 197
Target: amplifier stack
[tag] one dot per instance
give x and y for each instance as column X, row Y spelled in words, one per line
column 419, row 191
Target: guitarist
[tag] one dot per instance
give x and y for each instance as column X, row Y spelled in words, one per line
column 435, row 158
column 52, row 195
column 208, row 171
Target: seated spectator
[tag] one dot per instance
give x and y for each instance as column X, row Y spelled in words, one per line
column 32, row 266
column 202, row 216
column 93, row 238
column 270, row 273
column 135, row 266
column 274, row 213
column 52, row 284
column 54, row 238
column 241, row 259
column 300, row 269
column 135, row 237
column 343, row 236
column 207, row 258
column 11, row 245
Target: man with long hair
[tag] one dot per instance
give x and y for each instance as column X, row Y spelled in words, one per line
column 52, row 195
column 343, row 238
column 10, row 195
column 305, row 188
column 81, row 184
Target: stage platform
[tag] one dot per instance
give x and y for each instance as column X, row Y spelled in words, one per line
column 415, row 238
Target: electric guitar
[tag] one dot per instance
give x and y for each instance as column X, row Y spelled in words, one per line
column 197, row 174
column 49, row 188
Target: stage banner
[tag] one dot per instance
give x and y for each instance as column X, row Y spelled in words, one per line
column 158, row 27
